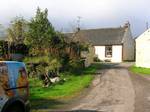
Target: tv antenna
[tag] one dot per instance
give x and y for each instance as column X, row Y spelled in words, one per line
column 147, row 25
column 78, row 21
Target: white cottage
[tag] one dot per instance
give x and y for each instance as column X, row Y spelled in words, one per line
column 110, row 44
column 143, row 50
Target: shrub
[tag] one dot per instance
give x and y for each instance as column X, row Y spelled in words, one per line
column 96, row 59
column 76, row 65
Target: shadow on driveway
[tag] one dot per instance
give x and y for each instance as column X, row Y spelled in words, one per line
column 45, row 103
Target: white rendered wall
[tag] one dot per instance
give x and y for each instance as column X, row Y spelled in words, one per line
column 100, row 52
column 116, row 53
column 143, row 50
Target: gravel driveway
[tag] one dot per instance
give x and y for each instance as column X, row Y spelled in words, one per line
column 142, row 91
column 112, row 91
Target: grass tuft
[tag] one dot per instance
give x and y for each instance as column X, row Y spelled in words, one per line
column 140, row 70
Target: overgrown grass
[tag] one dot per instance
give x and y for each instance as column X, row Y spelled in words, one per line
column 68, row 88
column 140, row 70
column 50, row 97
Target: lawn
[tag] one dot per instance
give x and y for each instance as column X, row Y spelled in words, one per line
column 140, row 70
column 52, row 96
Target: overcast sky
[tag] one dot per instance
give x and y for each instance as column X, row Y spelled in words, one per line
column 94, row 13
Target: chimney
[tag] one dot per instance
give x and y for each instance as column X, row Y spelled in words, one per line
column 127, row 24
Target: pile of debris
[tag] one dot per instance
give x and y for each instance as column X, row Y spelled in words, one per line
column 49, row 78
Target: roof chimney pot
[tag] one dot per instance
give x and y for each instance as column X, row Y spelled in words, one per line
column 127, row 24
column 78, row 29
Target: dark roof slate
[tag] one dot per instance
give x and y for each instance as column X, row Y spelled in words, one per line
column 106, row 36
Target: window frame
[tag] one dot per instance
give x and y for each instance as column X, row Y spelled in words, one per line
column 107, row 51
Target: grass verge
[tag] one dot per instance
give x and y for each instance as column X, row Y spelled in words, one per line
column 52, row 96
column 140, row 70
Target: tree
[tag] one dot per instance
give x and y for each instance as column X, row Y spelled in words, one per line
column 3, row 48
column 40, row 33
column 16, row 34
column 16, row 31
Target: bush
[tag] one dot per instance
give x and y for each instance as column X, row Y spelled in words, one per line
column 96, row 59
column 76, row 65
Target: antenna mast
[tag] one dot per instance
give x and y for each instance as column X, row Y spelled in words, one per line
column 78, row 21
column 147, row 25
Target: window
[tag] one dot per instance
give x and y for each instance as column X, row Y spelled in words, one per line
column 108, row 51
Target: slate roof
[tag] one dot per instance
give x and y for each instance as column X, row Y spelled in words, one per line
column 105, row 36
